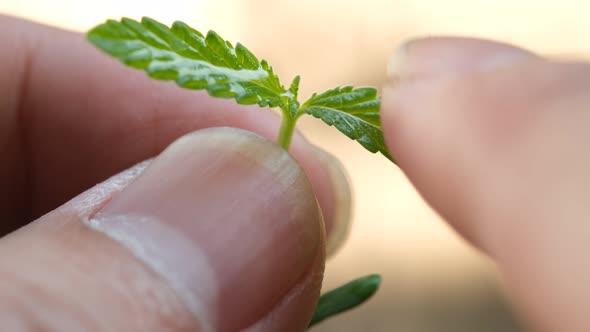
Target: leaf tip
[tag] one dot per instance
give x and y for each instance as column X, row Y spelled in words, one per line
column 212, row 34
column 373, row 281
column 126, row 20
column 179, row 24
column 145, row 20
column 294, row 88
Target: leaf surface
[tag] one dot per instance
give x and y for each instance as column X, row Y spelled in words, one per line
column 345, row 297
column 354, row 112
column 194, row 61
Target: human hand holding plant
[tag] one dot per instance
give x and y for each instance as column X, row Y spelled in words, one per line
column 193, row 61
column 492, row 136
column 88, row 125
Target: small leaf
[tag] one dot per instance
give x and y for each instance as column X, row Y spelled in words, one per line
column 354, row 112
column 194, row 61
column 345, row 297
column 294, row 91
column 294, row 88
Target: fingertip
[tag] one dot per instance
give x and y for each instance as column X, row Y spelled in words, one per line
column 222, row 230
column 338, row 225
column 294, row 311
column 437, row 90
column 234, row 204
column 498, row 149
column 419, row 73
column 430, row 57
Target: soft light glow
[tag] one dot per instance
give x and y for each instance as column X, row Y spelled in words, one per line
column 81, row 15
column 338, row 42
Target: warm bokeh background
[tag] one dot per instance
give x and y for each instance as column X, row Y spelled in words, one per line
column 433, row 281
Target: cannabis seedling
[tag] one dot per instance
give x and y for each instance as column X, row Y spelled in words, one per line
column 193, row 61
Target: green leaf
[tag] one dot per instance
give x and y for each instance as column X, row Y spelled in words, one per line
column 292, row 96
column 194, row 61
column 345, row 297
column 354, row 112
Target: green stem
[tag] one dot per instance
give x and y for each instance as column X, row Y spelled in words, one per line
column 286, row 131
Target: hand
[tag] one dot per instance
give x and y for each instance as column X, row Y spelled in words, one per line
column 496, row 140
column 220, row 232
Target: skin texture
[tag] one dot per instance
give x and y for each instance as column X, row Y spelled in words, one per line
column 494, row 138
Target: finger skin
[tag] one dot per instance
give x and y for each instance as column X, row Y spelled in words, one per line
column 81, row 275
column 76, row 279
column 72, row 117
column 501, row 153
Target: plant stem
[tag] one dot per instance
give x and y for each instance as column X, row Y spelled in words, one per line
column 286, row 131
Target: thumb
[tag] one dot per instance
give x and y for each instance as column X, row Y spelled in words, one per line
column 221, row 232
column 495, row 139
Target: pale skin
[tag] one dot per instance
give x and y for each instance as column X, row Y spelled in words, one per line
column 492, row 136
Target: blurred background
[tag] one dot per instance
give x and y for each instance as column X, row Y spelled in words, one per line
column 432, row 280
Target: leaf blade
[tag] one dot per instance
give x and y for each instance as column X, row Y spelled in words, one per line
column 354, row 112
column 193, row 61
column 345, row 297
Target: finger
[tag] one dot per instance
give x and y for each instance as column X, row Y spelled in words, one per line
column 77, row 117
column 495, row 139
column 216, row 234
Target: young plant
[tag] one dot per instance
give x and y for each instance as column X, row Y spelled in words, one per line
column 193, row 61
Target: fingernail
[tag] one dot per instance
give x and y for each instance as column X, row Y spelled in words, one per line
column 226, row 217
column 340, row 221
column 435, row 57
